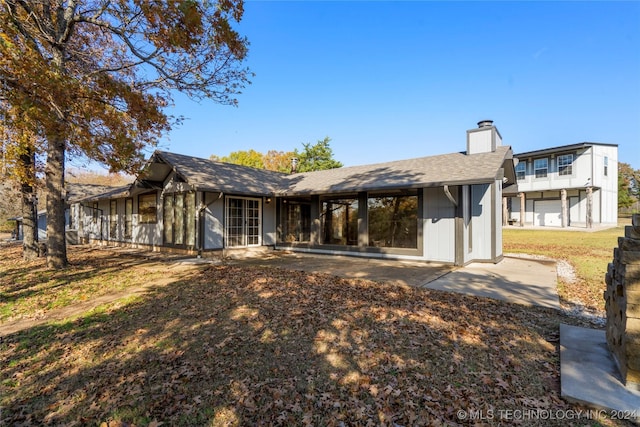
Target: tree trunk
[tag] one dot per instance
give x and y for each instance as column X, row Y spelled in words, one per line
column 29, row 208
column 54, row 171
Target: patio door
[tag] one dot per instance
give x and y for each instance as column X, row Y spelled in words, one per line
column 243, row 222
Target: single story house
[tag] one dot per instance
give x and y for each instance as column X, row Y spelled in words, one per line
column 41, row 224
column 571, row 185
column 445, row 208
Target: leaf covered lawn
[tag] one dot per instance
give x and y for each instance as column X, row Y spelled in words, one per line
column 227, row 345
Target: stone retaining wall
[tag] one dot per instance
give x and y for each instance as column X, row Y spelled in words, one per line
column 622, row 303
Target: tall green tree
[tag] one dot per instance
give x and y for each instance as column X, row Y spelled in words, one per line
column 628, row 185
column 318, row 156
column 96, row 76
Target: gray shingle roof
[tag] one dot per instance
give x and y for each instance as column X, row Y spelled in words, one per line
column 218, row 176
column 86, row 192
column 451, row 169
column 208, row 175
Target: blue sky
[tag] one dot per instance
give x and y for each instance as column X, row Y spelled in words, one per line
column 395, row 80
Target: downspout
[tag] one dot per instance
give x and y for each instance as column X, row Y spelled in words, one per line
column 449, row 196
column 201, row 210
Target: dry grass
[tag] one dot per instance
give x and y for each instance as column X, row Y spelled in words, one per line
column 30, row 290
column 231, row 346
column 588, row 252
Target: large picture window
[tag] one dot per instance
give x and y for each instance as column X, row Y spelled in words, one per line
column 340, row 221
column 297, row 222
column 148, row 208
column 393, row 221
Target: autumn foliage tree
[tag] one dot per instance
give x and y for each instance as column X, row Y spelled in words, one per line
column 18, row 146
column 312, row 157
column 96, row 76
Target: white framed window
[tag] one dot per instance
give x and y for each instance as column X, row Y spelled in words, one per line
column 113, row 219
column 565, row 164
column 128, row 218
column 243, row 222
column 606, row 166
column 541, row 167
column 521, row 170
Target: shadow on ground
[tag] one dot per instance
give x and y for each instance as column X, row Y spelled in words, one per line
column 230, row 345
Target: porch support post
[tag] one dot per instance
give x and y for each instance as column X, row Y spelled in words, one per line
column 316, row 228
column 589, row 207
column 363, row 226
column 565, row 213
column 505, row 211
column 459, row 226
column 522, row 208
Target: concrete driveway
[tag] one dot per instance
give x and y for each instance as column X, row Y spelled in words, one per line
column 525, row 281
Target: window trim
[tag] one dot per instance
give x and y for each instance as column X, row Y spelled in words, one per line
column 184, row 236
column 347, row 228
column 536, row 169
column 569, row 166
column 398, row 220
column 128, row 219
column 521, row 168
column 606, row 165
column 113, row 219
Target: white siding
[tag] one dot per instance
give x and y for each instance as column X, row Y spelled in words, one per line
column 577, row 210
column 608, row 197
column 480, row 141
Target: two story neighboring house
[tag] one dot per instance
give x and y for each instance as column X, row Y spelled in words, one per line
column 572, row 185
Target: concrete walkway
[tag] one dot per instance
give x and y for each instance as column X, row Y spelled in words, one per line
column 405, row 273
column 525, row 281
column 589, row 374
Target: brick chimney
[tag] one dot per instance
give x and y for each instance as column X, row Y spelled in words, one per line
column 483, row 139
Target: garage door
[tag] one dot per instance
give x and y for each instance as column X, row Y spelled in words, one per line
column 548, row 213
